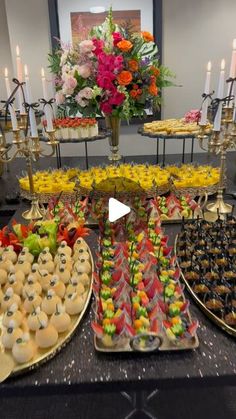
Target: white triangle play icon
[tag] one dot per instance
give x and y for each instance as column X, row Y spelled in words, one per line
column 116, row 210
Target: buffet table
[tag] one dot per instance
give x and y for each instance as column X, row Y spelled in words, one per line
column 78, row 368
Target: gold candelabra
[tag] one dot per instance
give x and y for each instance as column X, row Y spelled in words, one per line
column 219, row 142
column 28, row 147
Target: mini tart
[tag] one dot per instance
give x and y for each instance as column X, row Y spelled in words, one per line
column 50, row 302
column 36, row 319
column 20, row 276
column 12, row 282
column 31, row 302
column 26, row 255
column 57, row 286
column 61, row 321
column 23, row 351
column 63, row 274
column 47, row 264
column 75, row 286
column 63, row 248
column 82, row 266
column 10, row 254
column 10, row 315
column 9, row 298
column 10, row 335
column 3, row 276
column 46, row 337
column 74, row 303
column 23, row 266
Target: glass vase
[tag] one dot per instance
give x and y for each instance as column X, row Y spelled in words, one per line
column 113, row 123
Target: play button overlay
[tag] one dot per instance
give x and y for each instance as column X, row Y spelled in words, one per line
column 116, row 210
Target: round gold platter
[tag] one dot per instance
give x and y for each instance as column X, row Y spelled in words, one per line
column 8, row 367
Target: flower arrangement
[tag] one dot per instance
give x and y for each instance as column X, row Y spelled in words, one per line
column 114, row 72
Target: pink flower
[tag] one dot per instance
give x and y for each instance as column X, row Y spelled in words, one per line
column 81, row 101
column 87, row 93
column 69, row 85
column 192, row 116
column 104, row 79
column 106, row 107
column 86, row 46
column 60, row 98
column 99, row 44
column 84, row 71
column 117, row 98
column 116, row 38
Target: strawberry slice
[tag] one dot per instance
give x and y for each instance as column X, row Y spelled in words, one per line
column 167, row 324
column 155, row 326
column 98, row 330
column 193, row 327
column 119, row 322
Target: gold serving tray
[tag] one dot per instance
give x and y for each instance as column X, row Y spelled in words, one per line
column 8, row 367
column 219, row 322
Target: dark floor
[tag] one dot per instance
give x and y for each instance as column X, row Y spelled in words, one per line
column 208, row 403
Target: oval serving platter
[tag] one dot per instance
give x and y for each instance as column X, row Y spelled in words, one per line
column 8, row 367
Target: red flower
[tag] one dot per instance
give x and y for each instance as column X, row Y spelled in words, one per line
column 116, row 38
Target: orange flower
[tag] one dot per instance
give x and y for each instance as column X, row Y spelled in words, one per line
column 147, row 36
column 133, row 93
column 133, row 65
column 153, row 90
column 124, row 45
column 124, row 78
column 155, row 71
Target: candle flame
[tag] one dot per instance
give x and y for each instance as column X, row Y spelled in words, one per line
column 6, row 72
column 234, row 43
column 222, row 65
column 26, row 70
column 17, row 51
column 209, row 66
column 42, row 72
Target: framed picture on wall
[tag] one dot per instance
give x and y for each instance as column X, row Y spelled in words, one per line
column 72, row 20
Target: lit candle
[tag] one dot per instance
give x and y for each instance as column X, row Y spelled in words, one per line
column 7, row 83
column 18, row 64
column 232, row 72
column 20, row 78
column 220, row 95
column 203, row 120
column 47, row 108
column 32, row 119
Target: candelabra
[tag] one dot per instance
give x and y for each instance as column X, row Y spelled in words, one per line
column 219, row 142
column 28, row 147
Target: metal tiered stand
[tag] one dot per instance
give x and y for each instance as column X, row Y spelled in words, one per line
column 104, row 133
